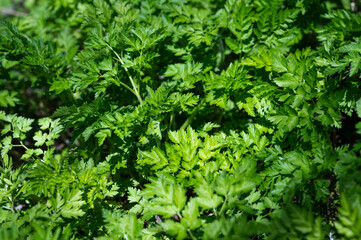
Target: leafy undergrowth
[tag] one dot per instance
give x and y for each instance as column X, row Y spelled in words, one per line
column 199, row 119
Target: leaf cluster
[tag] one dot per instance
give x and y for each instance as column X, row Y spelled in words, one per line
column 154, row 119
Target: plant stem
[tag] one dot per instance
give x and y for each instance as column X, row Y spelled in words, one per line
column 23, row 145
column 223, row 206
column 194, row 113
column 171, row 121
column 12, row 203
column 221, row 52
column 136, row 92
column 191, row 234
column 127, row 87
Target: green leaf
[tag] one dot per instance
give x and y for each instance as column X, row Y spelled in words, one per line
column 134, row 195
column 179, row 197
column 287, row 80
column 174, row 136
column 156, row 158
column 285, row 122
column 40, row 138
column 6, row 145
column 191, row 215
column 45, row 123
column 358, row 108
column 175, row 229
column 8, row 98
column 279, row 64
column 72, row 204
column 207, row 198
column 154, row 129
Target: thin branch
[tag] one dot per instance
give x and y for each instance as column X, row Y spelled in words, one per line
column 130, row 77
column 194, row 113
column 191, row 234
column 127, row 87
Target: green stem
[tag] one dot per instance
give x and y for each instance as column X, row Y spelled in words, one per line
column 170, row 125
column 191, row 234
column 127, row 87
column 23, row 145
column 223, row 206
column 136, row 92
column 121, row 83
column 12, row 204
column 17, row 145
column 194, row 113
column 222, row 56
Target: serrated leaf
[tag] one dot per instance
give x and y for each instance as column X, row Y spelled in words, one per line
column 45, row 123
column 190, row 215
column 174, row 229
column 279, row 63
column 134, row 195
column 207, row 198
column 287, row 80
column 73, row 204
column 174, row 136
column 157, row 158
column 40, row 138
column 6, row 145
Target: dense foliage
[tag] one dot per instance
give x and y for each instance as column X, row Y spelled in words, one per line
column 198, row 119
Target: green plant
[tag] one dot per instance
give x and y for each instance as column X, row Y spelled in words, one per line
column 180, row 119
